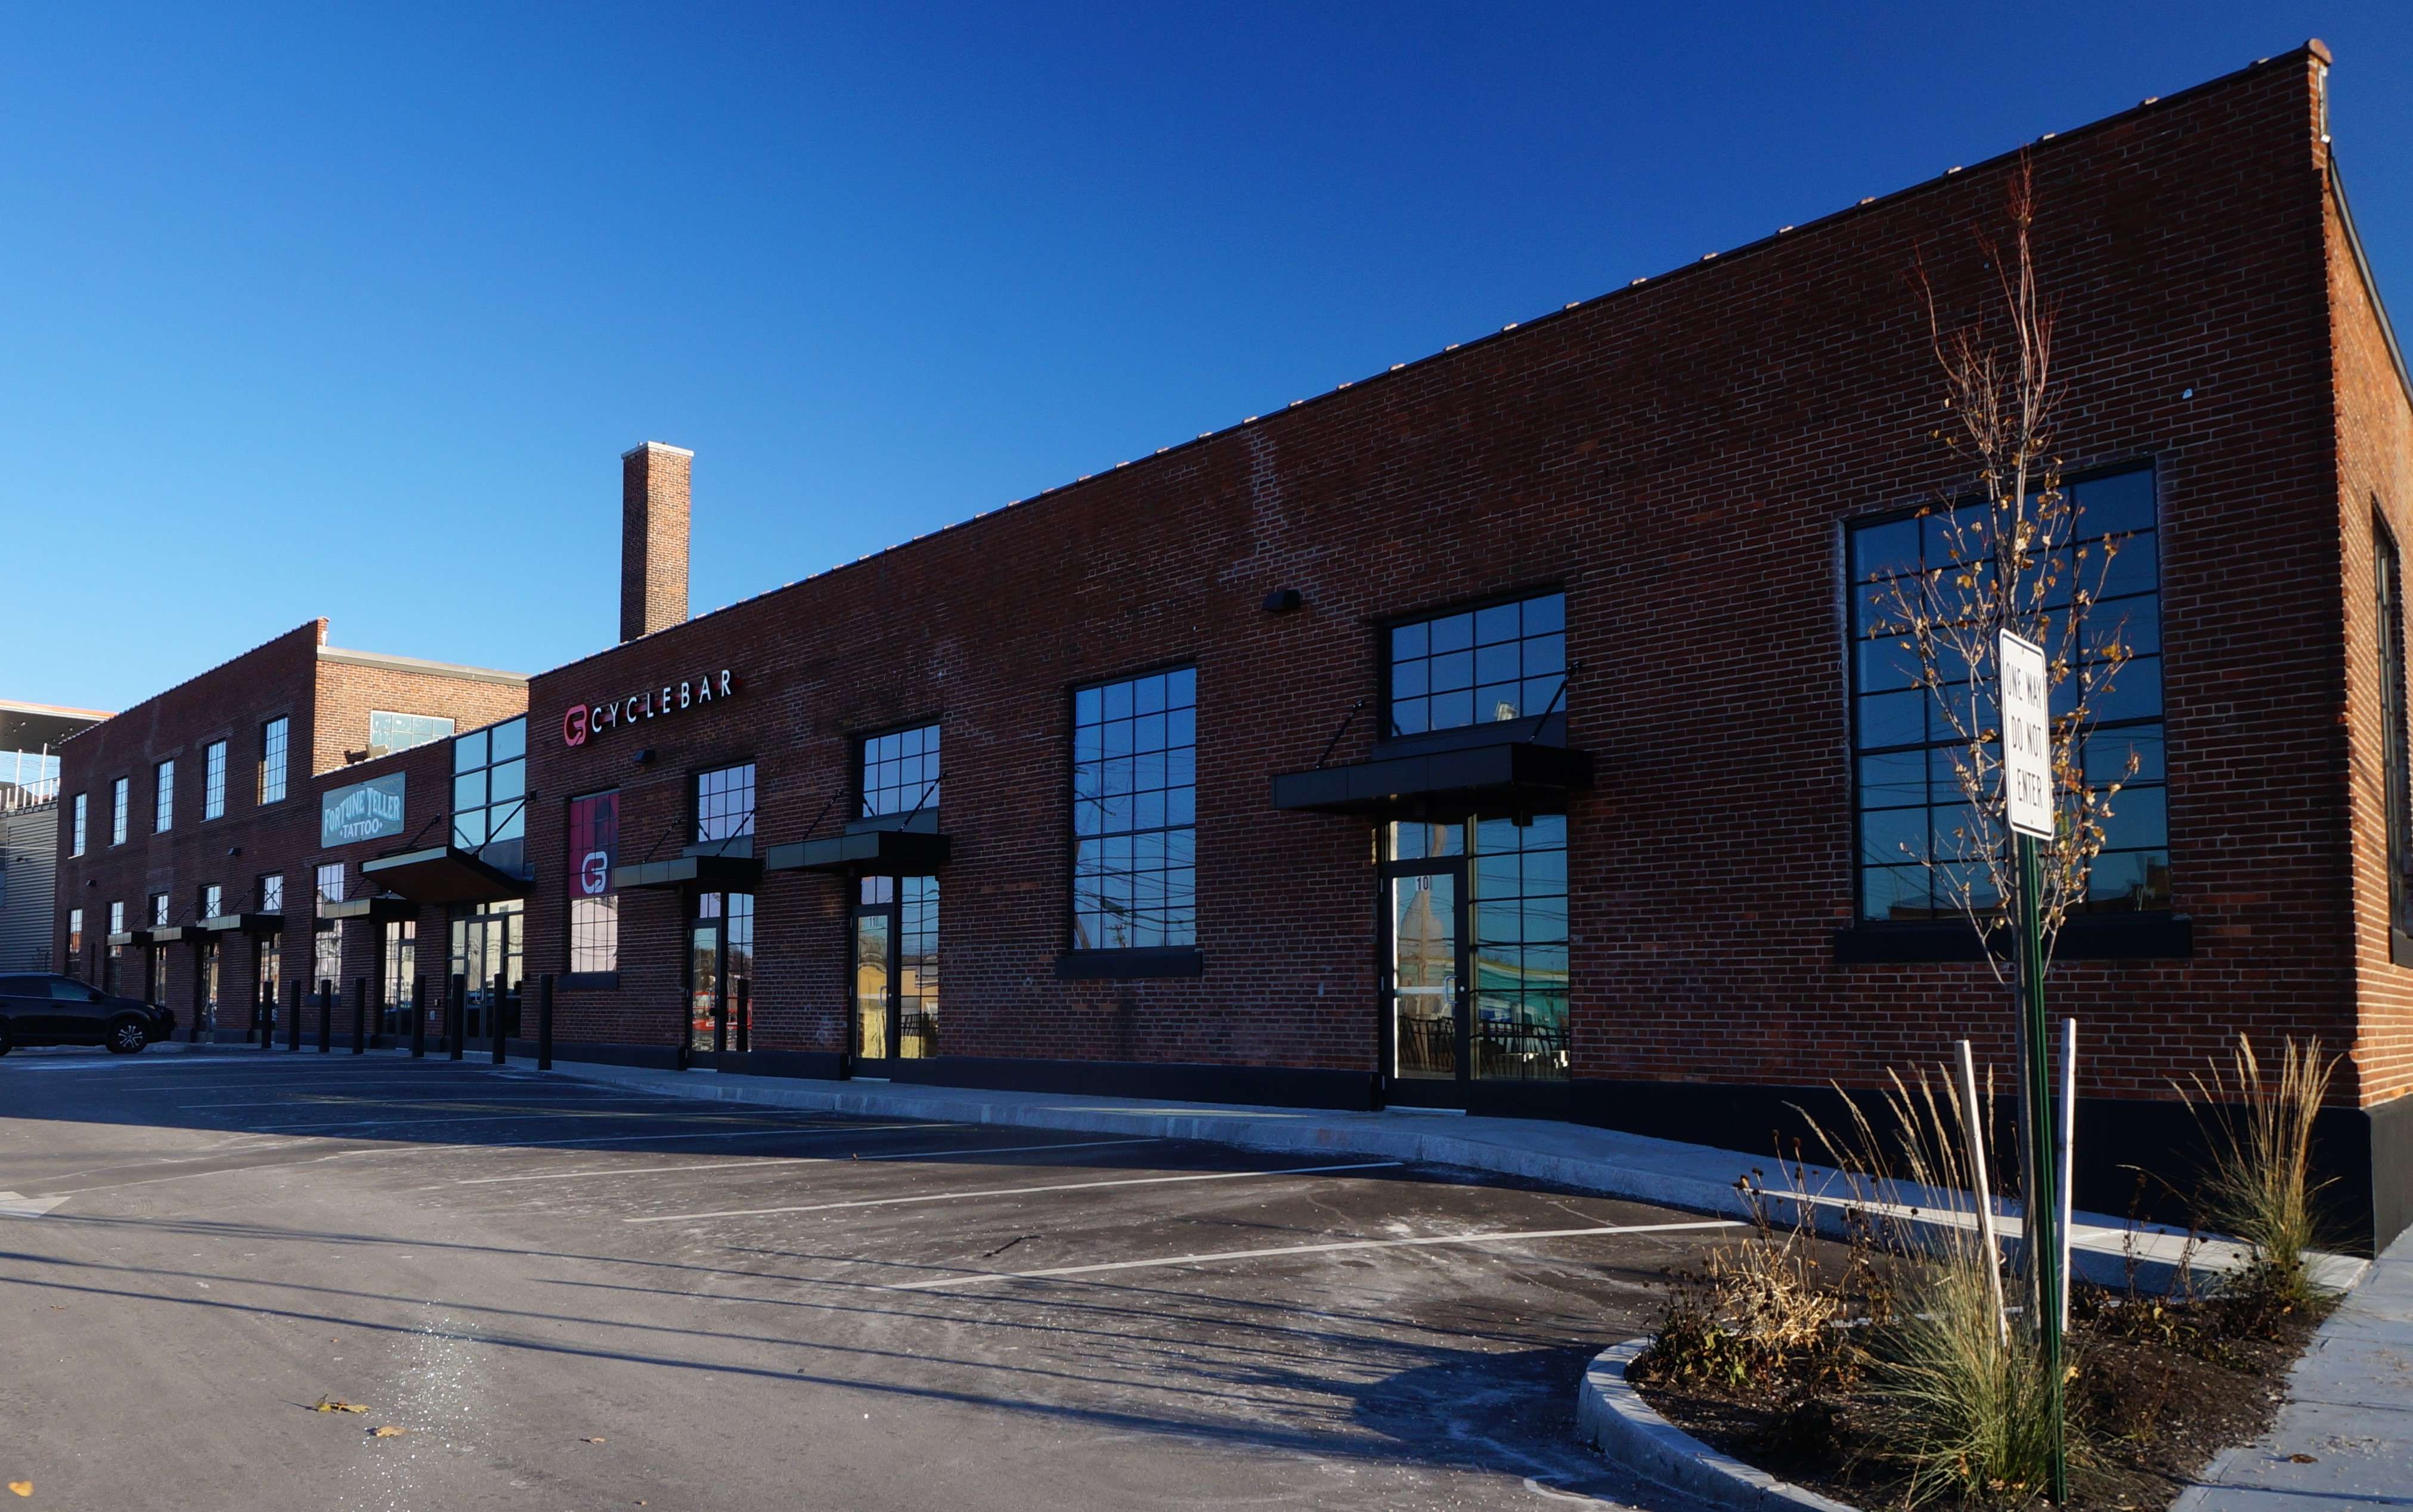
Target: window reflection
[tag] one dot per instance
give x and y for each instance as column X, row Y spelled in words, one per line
column 1134, row 752
column 1506, row 661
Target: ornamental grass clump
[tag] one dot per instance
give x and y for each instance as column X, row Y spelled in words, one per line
column 1960, row 1392
column 2257, row 1187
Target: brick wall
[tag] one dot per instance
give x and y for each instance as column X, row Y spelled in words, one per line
column 1680, row 458
column 327, row 703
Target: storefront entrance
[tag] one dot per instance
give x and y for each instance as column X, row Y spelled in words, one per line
column 486, row 941
column 895, row 975
column 205, row 988
column 1474, row 957
column 720, row 973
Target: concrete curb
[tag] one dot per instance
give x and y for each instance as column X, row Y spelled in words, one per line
column 1612, row 1417
column 1576, row 1158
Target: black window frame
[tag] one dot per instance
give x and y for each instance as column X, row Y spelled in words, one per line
column 276, row 757
column 1386, row 714
column 925, row 796
column 1078, row 962
column 2156, row 933
column 2396, row 755
column 752, row 811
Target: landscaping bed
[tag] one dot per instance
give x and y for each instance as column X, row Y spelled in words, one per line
column 2161, row 1387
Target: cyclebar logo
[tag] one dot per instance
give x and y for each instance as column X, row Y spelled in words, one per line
column 585, row 720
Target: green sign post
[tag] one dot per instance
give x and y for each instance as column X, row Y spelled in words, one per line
column 2025, row 702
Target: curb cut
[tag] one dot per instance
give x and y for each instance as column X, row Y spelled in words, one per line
column 1612, row 1417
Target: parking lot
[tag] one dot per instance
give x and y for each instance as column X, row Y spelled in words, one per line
column 568, row 1295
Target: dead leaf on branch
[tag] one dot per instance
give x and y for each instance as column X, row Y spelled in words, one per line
column 335, row 1404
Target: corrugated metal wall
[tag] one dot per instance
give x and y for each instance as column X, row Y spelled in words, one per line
column 29, row 840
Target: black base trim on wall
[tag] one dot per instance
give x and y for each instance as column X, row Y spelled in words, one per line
column 1178, row 1082
column 651, row 1056
column 816, row 1065
column 2088, row 937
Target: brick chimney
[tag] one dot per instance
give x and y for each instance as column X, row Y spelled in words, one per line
column 653, row 538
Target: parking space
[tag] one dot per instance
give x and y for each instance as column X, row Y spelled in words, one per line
column 571, row 1295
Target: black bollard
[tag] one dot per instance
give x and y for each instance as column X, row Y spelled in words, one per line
column 495, row 1018
column 326, row 1015
column 544, row 1022
column 456, row 1013
column 293, row 1024
column 359, row 1014
column 418, row 1017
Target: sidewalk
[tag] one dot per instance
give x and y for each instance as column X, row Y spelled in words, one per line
column 1694, row 1177
column 2346, row 1436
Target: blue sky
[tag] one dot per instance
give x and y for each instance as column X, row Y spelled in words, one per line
column 322, row 311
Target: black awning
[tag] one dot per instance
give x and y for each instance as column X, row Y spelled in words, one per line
column 375, row 910
column 129, row 937
column 442, row 874
column 892, row 853
column 711, row 873
column 249, row 924
column 1512, row 773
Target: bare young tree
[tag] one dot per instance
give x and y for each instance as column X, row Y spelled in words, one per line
column 2016, row 561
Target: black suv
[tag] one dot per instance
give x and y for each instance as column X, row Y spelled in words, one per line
column 56, row 1010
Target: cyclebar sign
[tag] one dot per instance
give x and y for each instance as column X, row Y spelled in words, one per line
column 583, row 722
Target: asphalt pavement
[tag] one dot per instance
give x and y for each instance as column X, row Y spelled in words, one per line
column 569, row 1295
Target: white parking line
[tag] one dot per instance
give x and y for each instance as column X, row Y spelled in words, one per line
column 945, row 1283
column 803, row 1160
column 1020, row 1192
column 433, row 1099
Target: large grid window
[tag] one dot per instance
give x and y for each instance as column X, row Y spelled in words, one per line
column 331, row 883
column 214, row 779
column 1134, row 799
column 119, row 801
column 595, row 933
column 391, row 733
column 401, row 975
column 75, row 940
column 327, row 957
column 490, row 795
column 158, row 910
column 1909, row 803
column 900, row 771
column 274, row 738
column 163, row 802
column 917, row 966
column 2399, row 783
column 272, row 893
column 212, row 901
column 1481, row 666
column 724, row 803
column 117, row 918
column 75, row 845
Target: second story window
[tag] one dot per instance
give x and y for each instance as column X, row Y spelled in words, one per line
column 1481, row 666
column 213, row 900
column 163, row 808
column 331, row 883
column 901, row 772
column 273, row 736
column 158, row 910
column 117, row 918
column 2397, row 791
column 724, row 803
column 490, row 795
column 214, row 760
column 118, row 807
column 272, row 893
column 74, row 841
column 1134, row 787
column 391, row 733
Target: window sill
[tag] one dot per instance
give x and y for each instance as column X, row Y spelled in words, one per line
column 1116, row 965
column 2094, row 937
column 588, row 982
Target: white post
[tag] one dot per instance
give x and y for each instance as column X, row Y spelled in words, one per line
column 2066, row 1137
column 1973, row 1129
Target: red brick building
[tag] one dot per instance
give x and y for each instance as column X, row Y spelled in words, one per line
column 1505, row 730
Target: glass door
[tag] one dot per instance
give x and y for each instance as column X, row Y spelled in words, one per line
column 1426, row 975
column 895, row 970
column 205, row 992
column 486, row 945
column 720, row 973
